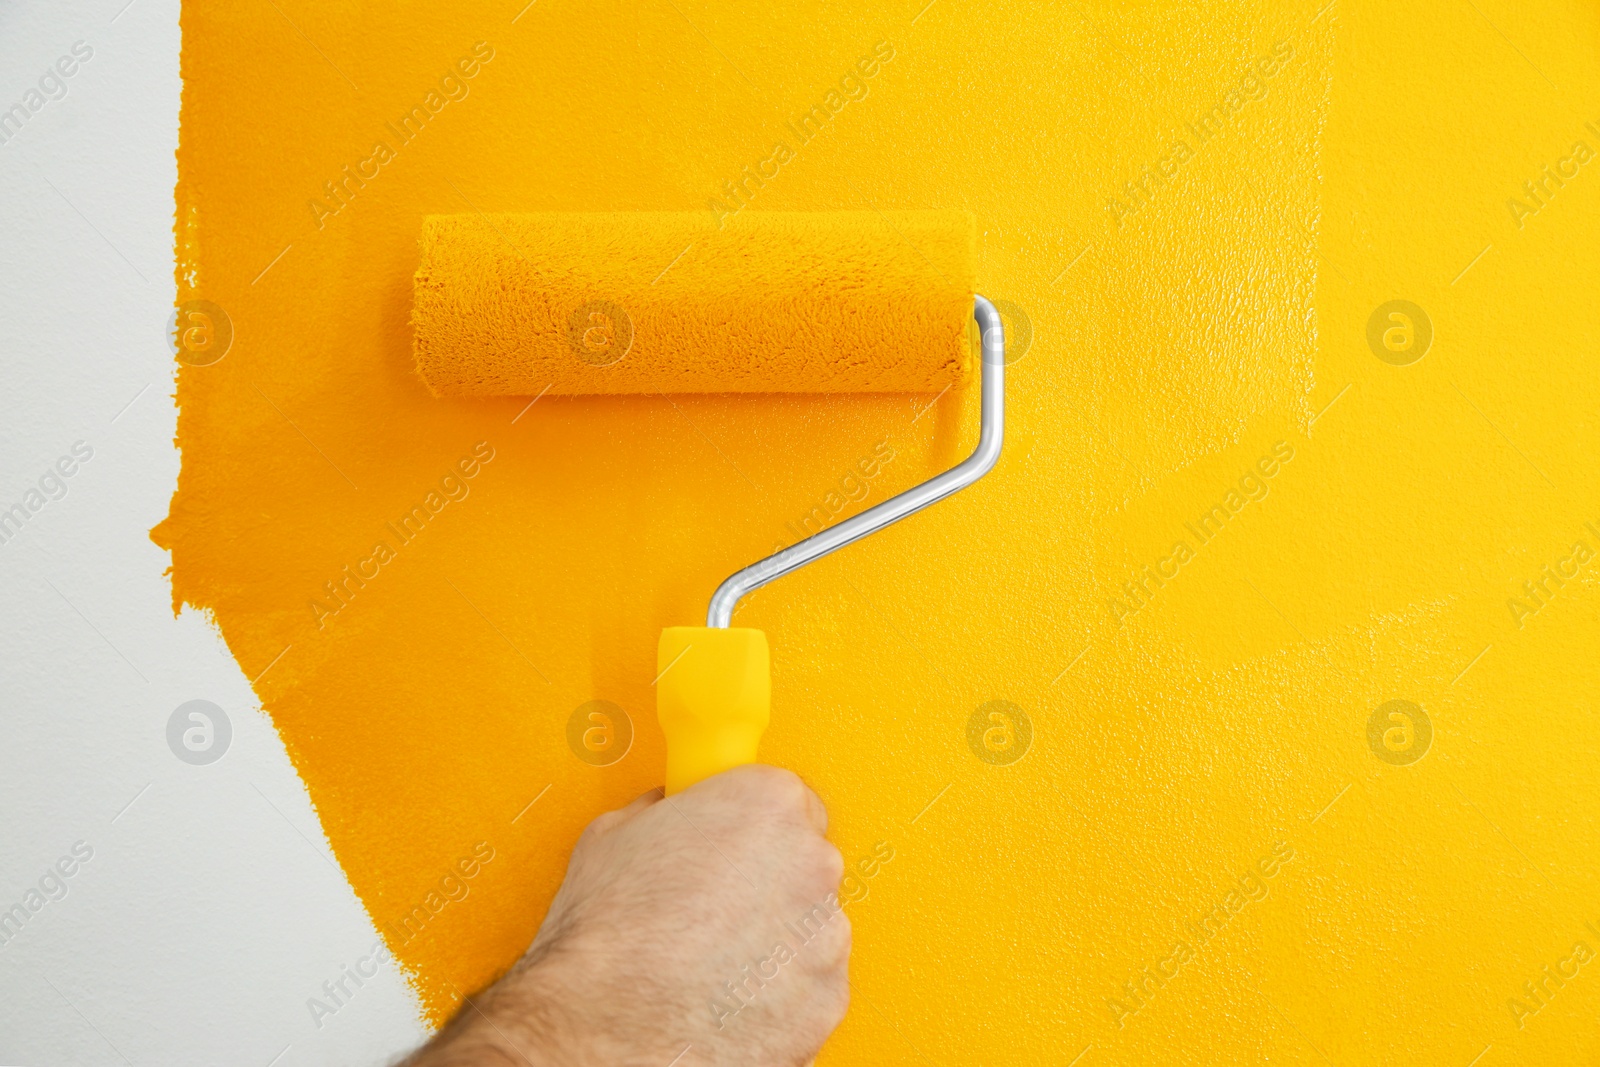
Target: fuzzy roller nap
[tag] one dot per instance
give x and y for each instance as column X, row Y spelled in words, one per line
column 846, row 302
column 775, row 302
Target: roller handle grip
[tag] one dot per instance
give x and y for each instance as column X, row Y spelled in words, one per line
column 713, row 697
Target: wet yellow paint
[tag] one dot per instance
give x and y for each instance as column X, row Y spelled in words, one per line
column 1201, row 858
column 652, row 302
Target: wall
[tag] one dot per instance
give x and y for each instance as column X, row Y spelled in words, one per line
column 209, row 909
column 1233, row 522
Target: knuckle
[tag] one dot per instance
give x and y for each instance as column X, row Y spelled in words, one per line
column 779, row 783
column 841, row 999
column 816, row 811
column 771, row 790
column 841, row 938
column 830, row 950
column 830, row 861
column 597, row 827
column 818, row 866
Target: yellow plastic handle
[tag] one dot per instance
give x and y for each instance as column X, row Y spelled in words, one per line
column 713, row 697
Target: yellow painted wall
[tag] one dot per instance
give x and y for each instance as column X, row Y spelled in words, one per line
column 1212, row 725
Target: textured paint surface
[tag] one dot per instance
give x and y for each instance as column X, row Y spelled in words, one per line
column 1354, row 531
column 666, row 302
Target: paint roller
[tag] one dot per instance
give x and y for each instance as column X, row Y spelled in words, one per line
column 659, row 302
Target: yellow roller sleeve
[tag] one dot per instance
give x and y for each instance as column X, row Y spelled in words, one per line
column 665, row 302
column 713, row 698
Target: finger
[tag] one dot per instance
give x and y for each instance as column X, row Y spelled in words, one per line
column 610, row 820
column 816, row 811
column 640, row 803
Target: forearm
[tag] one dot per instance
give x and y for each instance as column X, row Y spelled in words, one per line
column 520, row 1021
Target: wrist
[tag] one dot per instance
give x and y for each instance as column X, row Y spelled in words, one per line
column 522, row 1020
column 528, row 1016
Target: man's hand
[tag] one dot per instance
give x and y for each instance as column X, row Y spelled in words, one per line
column 700, row 929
